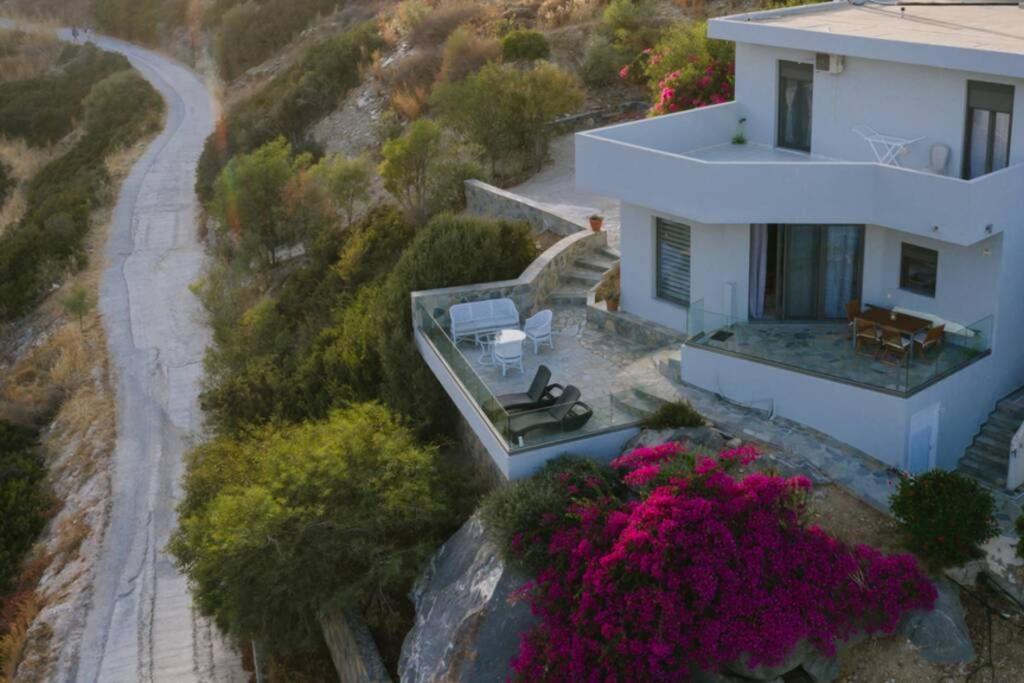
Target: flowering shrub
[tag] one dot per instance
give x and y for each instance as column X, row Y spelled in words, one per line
column 701, row 570
column 685, row 70
column 946, row 516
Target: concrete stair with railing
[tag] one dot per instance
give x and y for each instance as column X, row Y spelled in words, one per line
column 988, row 457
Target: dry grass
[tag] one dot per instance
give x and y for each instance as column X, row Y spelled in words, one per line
column 24, row 162
column 556, row 13
column 433, row 29
column 465, row 52
column 410, row 103
column 23, row 608
column 25, row 55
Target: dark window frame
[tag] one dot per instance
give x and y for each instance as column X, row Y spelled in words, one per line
column 661, row 291
column 783, row 66
column 925, row 256
column 995, row 91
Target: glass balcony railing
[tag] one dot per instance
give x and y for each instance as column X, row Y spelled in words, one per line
column 526, row 429
column 830, row 350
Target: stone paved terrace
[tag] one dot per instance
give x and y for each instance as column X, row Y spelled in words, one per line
column 599, row 363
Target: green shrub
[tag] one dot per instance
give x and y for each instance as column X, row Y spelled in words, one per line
column 139, row 20
column 106, row 113
column 251, row 32
column 524, row 45
column 946, row 516
column 338, row 514
column 48, row 240
column 505, row 111
column 674, row 415
column 630, row 24
column 290, row 103
column 601, row 62
column 514, row 514
column 7, row 182
column 23, row 500
column 464, row 53
column 431, row 29
column 424, row 172
column 43, row 110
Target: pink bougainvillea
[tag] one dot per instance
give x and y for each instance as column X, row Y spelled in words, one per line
column 700, row 569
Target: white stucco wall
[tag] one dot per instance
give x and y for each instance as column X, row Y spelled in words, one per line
column 719, row 268
column 896, row 99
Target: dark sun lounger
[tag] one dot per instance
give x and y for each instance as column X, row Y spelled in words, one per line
column 567, row 414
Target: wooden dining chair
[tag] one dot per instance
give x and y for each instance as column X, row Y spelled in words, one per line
column 868, row 335
column 894, row 347
column 930, row 341
column 852, row 311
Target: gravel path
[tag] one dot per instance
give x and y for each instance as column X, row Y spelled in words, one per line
column 141, row 625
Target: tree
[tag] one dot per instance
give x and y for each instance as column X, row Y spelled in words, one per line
column 346, row 181
column 424, row 171
column 250, row 201
column 78, row 302
column 291, row 521
column 505, row 110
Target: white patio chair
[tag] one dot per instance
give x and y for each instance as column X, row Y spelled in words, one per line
column 538, row 329
column 508, row 354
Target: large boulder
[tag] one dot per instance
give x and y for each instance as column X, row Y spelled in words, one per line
column 941, row 635
column 705, row 438
column 466, row 630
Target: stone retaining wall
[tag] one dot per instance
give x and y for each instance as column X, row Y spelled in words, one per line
column 529, row 291
column 493, row 202
column 629, row 326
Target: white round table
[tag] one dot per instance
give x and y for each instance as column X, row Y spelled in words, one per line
column 509, row 336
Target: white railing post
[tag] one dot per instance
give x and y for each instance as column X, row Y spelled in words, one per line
column 1015, row 466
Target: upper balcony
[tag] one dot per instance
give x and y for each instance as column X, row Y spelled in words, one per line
column 685, row 165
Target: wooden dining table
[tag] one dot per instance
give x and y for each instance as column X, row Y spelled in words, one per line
column 903, row 323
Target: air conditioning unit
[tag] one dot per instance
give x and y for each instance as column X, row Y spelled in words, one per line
column 827, row 63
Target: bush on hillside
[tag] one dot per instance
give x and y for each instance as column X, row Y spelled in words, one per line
column 505, row 110
column 43, row 110
column 251, row 32
column 946, row 516
column 524, row 45
column 289, row 521
column 696, row 572
column 464, row 53
column 686, row 69
column 142, row 21
column 602, row 62
column 290, row 103
column 23, row 499
column 424, row 171
column 516, row 516
column 7, row 182
column 105, row 108
column 48, row 240
column 674, row 415
column 432, row 29
column 630, row 24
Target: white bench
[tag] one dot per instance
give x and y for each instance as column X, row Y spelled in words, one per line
column 477, row 317
column 951, row 327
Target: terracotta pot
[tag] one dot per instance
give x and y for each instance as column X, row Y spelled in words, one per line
column 596, row 223
column 613, row 304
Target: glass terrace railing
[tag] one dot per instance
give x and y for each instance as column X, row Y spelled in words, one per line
column 525, row 429
column 829, row 350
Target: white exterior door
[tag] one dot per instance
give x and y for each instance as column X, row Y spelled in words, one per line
column 923, row 440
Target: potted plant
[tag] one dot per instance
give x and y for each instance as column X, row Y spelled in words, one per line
column 740, row 138
column 609, row 289
column 596, row 221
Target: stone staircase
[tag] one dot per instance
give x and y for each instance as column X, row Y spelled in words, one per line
column 637, row 402
column 987, row 457
column 585, row 274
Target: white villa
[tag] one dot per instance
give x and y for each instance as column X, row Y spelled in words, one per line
column 842, row 245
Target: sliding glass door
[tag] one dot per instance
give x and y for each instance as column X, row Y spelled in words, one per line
column 989, row 119
column 811, row 271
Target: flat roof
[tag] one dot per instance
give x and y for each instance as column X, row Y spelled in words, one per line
column 986, row 38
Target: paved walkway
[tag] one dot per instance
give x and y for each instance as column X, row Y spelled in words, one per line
column 555, row 187
column 141, row 625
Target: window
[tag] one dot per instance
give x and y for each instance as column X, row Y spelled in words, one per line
column 919, row 269
column 673, row 261
column 987, row 137
column 796, row 86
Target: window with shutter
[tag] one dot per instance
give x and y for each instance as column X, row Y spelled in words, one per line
column 673, row 261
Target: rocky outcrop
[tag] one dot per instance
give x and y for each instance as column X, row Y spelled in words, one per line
column 352, row 649
column 467, row 629
column 941, row 635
